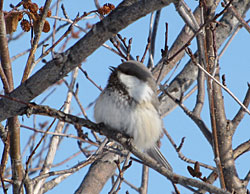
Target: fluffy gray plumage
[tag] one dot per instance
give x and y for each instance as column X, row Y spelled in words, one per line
column 129, row 103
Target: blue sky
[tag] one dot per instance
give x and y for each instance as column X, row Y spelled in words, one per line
column 234, row 63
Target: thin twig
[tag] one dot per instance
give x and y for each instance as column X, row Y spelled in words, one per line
column 228, row 42
column 70, row 170
column 54, row 25
column 59, row 134
column 146, row 50
column 144, row 180
column 86, row 75
column 198, row 31
column 247, row 179
column 197, row 120
column 217, row 82
column 39, row 45
column 36, row 40
column 181, row 156
column 164, row 53
column 238, row 16
column 119, row 180
column 240, row 114
column 150, row 63
column 45, row 53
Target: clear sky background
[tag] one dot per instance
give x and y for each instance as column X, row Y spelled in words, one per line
column 235, row 64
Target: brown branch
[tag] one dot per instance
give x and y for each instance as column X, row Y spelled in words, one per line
column 126, row 142
column 65, row 34
column 4, row 158
column 198, row 121
column 153, row 39
column 180, row 154
column 176, row 55
column 55, row 23
column 13, row 144
column 164, row 53
column 6, row 86
column 117, row 184
column 36, row 147
column 241, row 149
column 59, row 134
column 39, row 45
column 146, row 50
column 144, row 180
column 36, row 40
column 238, row 16
column 71, row 170
column 240, row 114
column 60, row 66
column 117, row 44
column 213, row 117
column 86, row 75
column 6, row 75
column 237, row 152
column 198, row 31
column 210, row 65
column 247, row 179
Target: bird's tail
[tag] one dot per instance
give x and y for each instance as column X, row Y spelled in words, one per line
column 156, row 154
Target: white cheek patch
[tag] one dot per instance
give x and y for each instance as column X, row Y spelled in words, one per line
column 137, row 89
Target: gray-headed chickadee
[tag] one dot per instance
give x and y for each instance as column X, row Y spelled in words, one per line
column 129, row 103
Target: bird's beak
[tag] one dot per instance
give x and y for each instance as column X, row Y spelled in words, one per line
column 111, row 68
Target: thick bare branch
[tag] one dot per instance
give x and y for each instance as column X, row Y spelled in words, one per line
column 189, row 74
column 56, row 69
column 94, row 180
column 127, row 143
column 13, row 142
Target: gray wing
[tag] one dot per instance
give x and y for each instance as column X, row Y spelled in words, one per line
column 156, row 154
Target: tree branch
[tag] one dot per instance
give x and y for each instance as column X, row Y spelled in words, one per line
column 240, row 114
column 126, row 142
column 127, row 12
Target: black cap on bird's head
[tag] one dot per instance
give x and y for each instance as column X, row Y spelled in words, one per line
column 137, row 69
column 132, row 68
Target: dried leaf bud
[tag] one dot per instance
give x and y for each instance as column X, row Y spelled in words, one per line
column 20, row 16
column 26, row 5
column 33, row 7
column 46, row 27
column 25, row 24
column 111, row 6
column 41, row 11
column 11, row 21
column 197, row 167
column 88, row 25
column 106, row 9
column 191, row 171
column 75, row 34
column 49, row 13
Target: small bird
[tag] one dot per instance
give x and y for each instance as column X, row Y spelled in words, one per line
column 129, row 103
